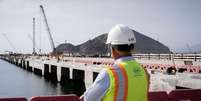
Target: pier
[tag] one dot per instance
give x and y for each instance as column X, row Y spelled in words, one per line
column 82, row 71
column 78, row 73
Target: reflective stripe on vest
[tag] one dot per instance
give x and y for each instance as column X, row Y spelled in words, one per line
column 123, row 71
column 132, row 91
column 116, row 84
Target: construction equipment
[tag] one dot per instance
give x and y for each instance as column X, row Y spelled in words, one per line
column 34, row 41
column 31, row 38
column 12, row 46
column 48, row 30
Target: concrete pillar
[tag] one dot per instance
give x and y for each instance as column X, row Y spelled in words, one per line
column 88, row 77
column 32, row 67
column 71, row 73
column 13, row 60
column 49, row 68
column 43, row 69
column 25, row 64
column 58, row 73
column 21, row 63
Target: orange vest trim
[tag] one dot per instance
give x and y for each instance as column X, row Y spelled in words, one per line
column 123, row 71
column 116, row 89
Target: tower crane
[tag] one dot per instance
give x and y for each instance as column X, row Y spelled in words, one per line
column 48, row 29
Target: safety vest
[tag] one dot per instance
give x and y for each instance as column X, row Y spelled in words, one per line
column 134, row 82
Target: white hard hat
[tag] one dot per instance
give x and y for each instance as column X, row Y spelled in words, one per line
column 121, row 34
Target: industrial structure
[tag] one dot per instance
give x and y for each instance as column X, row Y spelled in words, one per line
column 48, row 29
column 80, row 72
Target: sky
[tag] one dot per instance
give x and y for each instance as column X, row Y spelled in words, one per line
column 175, row 23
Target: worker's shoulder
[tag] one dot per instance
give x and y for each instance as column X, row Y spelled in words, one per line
column 134, row 62
column 111, row 68
column 102, row 76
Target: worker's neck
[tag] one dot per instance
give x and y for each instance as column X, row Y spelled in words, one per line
column 119, row 56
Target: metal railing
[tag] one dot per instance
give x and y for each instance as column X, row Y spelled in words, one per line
column 191, row 57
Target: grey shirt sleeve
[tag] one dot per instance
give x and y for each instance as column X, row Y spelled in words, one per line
column 99, row 88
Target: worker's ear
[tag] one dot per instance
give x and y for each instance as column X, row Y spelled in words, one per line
column 115, row 52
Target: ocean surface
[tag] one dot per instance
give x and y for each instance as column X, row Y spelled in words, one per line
column 16, row 82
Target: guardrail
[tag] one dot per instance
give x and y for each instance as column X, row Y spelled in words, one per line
column 176, row 95
column 193, row 57
column 179, row 68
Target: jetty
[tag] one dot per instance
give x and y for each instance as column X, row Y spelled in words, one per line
column 82, row 71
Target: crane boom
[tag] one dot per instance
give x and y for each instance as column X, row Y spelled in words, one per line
column 14, row 49
column 48, row 29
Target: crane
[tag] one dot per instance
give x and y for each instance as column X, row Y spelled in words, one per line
column 48, row 29
column 31, row 38
column 34, row 41
column 14, row 49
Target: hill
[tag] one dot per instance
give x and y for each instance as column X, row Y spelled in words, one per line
column 97, row 46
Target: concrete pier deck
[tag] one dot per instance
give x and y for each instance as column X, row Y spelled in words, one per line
column 84, row 70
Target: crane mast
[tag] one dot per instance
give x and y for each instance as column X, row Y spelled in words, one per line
column 34, row 41
column 48, row 30
column 31, row 38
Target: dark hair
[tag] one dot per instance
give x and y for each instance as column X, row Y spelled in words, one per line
column 124, row 47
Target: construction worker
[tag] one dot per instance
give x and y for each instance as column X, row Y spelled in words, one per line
column 126, row 80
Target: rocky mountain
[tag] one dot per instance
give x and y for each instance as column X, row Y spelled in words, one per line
column 146, row 44
column 66, row 47
column 97, row 46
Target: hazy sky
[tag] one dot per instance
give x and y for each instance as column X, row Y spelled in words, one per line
column 175, row 23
